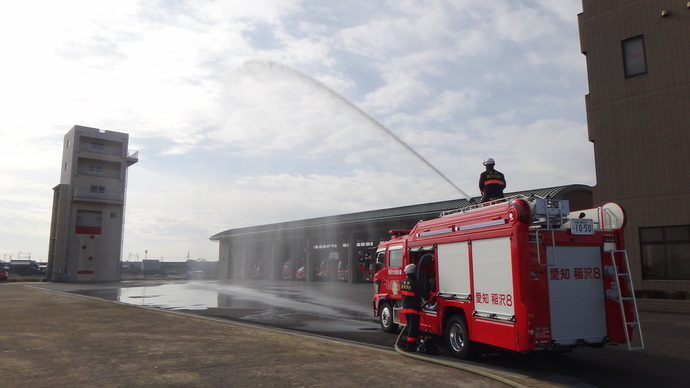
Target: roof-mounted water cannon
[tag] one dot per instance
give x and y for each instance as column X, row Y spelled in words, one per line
column 550, row 213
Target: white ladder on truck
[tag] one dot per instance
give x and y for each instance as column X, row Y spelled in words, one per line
column 621, row 272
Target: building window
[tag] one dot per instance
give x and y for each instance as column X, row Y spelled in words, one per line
column 665, row 252
column 97, row 147
column 97, row 189
column 634, row 57
column 325, row 246
column 113, row 215
column 95, row 169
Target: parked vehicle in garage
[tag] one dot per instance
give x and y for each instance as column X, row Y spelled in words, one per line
column 328, row 269
column 343, row 272
column 290, row 269
column 301, row 273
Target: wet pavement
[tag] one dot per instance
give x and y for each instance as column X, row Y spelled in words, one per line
column 336, row 310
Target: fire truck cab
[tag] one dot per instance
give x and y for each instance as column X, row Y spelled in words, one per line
column 520, row 274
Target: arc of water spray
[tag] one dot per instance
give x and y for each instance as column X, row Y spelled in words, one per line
column 363, row 113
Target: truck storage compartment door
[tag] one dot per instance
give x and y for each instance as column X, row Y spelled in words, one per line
column 454, row 270
column 576, row 295
column 493, row 279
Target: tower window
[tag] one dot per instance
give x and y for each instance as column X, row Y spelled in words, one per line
column 97, row 189
column 634, row 59
column 95, row 169
column 100, row 147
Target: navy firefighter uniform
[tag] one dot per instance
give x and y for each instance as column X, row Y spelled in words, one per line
column 491, row 182
column 413, row 294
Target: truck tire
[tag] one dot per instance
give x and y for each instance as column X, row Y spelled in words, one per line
column 386, row 318
column 457, row 338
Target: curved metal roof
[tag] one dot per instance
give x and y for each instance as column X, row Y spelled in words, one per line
column 390, row 213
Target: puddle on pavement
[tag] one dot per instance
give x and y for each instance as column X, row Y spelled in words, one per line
column 301, row 308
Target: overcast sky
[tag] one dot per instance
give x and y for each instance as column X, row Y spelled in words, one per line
column 262, row 111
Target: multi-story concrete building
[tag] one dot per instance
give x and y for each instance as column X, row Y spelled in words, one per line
column 638, row 116
column 89, row 206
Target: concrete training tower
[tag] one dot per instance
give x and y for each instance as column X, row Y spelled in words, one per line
column 89, row 206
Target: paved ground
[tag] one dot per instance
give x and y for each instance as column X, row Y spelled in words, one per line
column 54, row 339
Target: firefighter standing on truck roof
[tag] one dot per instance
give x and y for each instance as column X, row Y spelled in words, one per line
column 491, row 182
column 412, row 293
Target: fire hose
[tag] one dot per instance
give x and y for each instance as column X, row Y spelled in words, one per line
column 454, row 364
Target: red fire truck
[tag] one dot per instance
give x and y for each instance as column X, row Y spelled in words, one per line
column 520, row 274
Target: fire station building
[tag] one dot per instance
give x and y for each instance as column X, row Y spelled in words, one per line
column 261, row 252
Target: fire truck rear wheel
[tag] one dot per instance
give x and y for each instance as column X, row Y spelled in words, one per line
column 457, row 338
column 386, row 318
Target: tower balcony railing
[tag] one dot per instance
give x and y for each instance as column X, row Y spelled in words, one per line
column 132, row 157
column 90, row 196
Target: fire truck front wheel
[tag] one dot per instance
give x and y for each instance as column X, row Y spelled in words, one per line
column 457, row 338
column 386, row 318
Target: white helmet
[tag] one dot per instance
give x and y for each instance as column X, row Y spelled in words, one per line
column 410, row 268
column 489, row 161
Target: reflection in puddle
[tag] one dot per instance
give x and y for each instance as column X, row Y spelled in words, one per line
column 316, row 308
column 184, row 296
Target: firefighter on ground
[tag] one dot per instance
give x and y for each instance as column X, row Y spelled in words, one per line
column 491, row 182
column 413, row 298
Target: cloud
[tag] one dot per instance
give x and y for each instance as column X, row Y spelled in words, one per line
column 247, row 113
